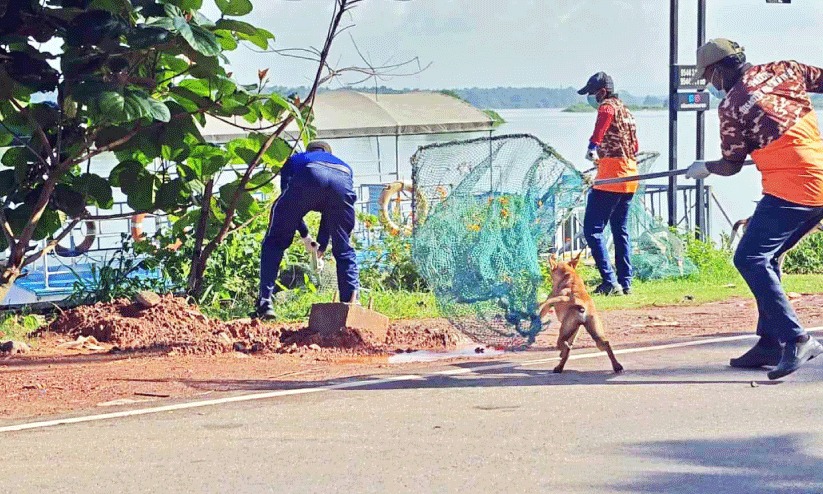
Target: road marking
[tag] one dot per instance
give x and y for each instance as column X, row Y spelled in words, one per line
column 360, row 384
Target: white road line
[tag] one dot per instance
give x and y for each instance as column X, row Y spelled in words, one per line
column 358, row 384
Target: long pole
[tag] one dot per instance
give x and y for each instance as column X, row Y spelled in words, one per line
column 672, row 193
column 700, row 215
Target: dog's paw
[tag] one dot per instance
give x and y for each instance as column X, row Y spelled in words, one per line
column 558, row 369
column 617, row 368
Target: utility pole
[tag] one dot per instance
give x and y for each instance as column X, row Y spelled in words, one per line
column 701, row 221
column 673, row 82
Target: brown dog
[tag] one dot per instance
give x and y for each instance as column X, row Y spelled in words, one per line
column 574, row 308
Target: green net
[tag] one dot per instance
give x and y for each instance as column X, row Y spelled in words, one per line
column 495, row 205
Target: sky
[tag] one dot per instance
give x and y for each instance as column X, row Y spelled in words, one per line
column 526, row 43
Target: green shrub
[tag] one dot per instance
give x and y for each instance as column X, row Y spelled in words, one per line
column 807, row 257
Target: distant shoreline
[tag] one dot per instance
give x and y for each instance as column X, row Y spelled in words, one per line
column 586, row 108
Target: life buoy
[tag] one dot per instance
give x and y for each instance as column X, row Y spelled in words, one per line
column 137, row 231
column 85, row 245
column 397, row 188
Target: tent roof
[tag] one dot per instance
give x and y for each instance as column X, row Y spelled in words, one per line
column 341, row 114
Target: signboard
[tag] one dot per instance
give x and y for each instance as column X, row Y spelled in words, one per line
column 692, row 101
column 684, row 78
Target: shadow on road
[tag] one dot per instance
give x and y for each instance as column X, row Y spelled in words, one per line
column 479, row 376
column 777, row 464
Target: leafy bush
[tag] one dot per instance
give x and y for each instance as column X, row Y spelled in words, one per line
column 713, row 262
column 120, row 276
column 807, row 257
column 387, row 264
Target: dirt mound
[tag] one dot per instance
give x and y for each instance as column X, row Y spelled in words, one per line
column 172, row 325
column 423, row 334
column 175, row 326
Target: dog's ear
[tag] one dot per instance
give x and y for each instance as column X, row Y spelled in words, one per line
column 574, row 262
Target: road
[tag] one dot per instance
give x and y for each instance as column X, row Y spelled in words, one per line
column 677, row 421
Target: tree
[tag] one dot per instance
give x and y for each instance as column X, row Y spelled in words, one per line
column 134, row 78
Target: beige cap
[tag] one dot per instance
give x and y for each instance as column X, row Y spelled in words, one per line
column 712, row 52
column 325, row 146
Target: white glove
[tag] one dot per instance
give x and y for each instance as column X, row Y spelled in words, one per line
column 591, row 155
column 309, row 243
column 698, row 170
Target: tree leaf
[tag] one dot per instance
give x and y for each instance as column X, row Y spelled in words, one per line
column 260, row 38
column 159, row 110
column 171, row 195
column 142, row 195
column 237, row 26
column 198, row 38
column 7, row 182
column 69, row 200
column 47, row 225
column 96, row 188
column 186, row 4
column 234, row 7
column 125, row 174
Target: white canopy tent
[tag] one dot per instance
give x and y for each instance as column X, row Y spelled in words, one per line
column 350, row 114
column 343, row 114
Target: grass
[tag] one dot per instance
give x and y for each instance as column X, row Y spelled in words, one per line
column 19, row 326
column 295, row 306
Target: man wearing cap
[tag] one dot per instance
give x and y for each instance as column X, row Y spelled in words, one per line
column 612, row 147
column 314, row 180
column 766, row 112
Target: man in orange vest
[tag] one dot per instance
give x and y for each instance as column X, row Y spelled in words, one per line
column 766, row 112
column 612, row 147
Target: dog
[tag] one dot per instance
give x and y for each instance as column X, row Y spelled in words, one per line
column 574, row 308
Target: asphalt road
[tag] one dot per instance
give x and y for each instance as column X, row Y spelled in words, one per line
column 677, row 421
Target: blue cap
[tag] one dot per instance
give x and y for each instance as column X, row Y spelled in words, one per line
column 597, row 82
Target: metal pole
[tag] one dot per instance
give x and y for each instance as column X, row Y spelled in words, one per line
column 397, row 155
column 672, row 193
column 701, row 217
column 379, row 160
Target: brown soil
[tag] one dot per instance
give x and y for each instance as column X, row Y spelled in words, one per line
column 173, row 351
column 176, row 327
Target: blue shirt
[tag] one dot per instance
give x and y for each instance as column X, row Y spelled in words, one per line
column 298, row 161
column 294, row 164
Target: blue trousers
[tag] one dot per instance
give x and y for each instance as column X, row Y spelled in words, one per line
column 313, row 188
column 610, row 208
column 776, row 226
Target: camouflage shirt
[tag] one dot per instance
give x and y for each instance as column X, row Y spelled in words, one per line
column 767, row 101
column 620, row 140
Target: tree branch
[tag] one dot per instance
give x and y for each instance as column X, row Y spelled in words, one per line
column 52, row 243
column 341, row 7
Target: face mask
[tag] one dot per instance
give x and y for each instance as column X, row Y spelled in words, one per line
column 592, row 99
column 716, row 92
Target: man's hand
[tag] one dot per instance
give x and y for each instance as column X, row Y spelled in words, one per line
column 591, row 154
column 698, row 170
column 309, row 243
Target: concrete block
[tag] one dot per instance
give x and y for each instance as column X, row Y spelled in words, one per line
column 330, row 319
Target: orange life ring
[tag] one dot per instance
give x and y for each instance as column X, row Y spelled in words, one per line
column 137, row 231
column 85, row 245
column 396, row 189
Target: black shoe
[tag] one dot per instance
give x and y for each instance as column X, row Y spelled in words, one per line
column 607, row 289
column 627, row 290
column 764, row 352
column 795, row 354
column 264, row 312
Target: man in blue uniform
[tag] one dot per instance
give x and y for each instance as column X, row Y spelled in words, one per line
column 314, row 180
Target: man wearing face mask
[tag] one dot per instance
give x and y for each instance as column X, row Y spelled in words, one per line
column 766, row 112
column 612, row 147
